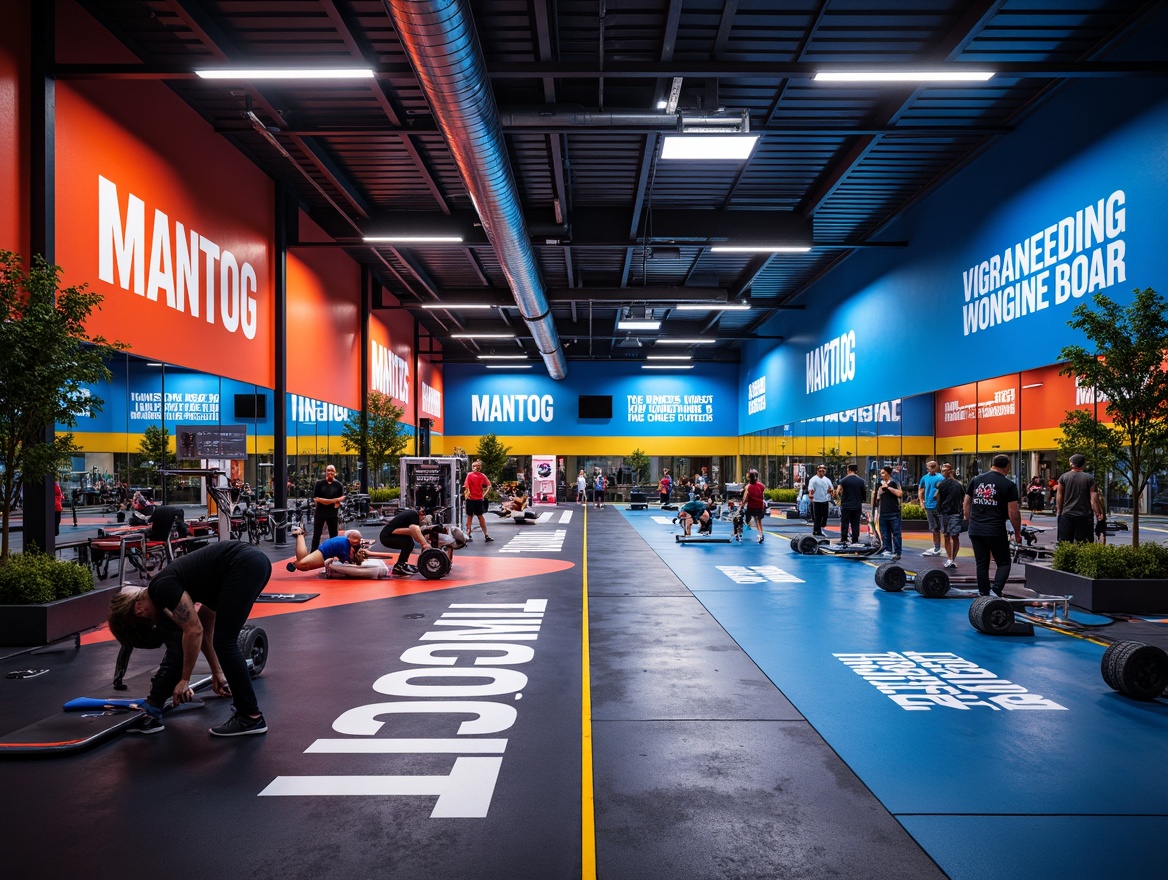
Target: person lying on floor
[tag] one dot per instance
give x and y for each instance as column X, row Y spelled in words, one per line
column 343, row 548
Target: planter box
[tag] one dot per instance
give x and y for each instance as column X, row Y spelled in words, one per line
column 913, row 525
column 31, row 625
column 1123, row 595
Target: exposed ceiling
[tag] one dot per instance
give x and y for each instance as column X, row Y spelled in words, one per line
column 581, row 221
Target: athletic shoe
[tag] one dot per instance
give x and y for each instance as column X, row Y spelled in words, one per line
column 469, row 539
column 887, row 554
column 413, row 568
column 949, row 563
column 402, row 571
column 240, row 725
column 760, row 539
column 489, row 539
column 895, row 556
column 842, row 545
column 933, row 552
column 291, row 566
column 149, row 724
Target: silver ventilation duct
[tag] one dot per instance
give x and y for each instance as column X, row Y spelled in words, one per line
column 440, row 40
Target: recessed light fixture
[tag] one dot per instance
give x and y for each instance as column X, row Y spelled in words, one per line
column 412, row 239
column 508, row 366
column 666, row 341
column 286, row 73
column 502, row 357
column 482, row 335
column 669, row 357
column 457, row 307
column 726, row 147
column 713, row 307
column 950, row 75
column 628, row 324
column 153, row 364
column 666, row 366
column 760, row 249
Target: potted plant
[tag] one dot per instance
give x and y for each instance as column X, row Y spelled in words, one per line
column 1105, row 577
column 913, row 518
column 43, row 599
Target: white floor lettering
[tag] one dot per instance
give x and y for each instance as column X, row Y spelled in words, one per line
column 536, row 542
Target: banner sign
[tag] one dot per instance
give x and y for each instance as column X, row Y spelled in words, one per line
column 206, row 441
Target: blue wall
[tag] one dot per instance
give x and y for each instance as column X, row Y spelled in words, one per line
column 698, row 402
column 902, row 313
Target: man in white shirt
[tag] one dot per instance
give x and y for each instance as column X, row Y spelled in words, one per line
column 820, row 489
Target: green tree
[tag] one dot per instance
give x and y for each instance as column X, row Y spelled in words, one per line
column 154, row 452
column 1125, row 366
column 836, row 461
column 494, row 455
column 638, row 463
column 48, row 360
column 383, row 439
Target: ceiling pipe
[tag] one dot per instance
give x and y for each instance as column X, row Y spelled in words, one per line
column 439, row 38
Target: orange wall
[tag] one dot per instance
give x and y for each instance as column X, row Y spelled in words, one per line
column 324, row 322
column 14, row 116
column 391, row 360
column 170, row 168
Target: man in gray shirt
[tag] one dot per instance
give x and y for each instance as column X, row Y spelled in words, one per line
column 1076, row 499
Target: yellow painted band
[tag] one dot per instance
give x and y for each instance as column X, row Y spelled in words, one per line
column 587, row 795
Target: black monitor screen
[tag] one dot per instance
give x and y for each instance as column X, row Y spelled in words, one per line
column 251, row 406
column 595, row 406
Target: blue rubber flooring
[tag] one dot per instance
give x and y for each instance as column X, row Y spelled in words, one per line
column 1002, row 756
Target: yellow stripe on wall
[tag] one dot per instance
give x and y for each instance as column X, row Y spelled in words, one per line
column 576, row 445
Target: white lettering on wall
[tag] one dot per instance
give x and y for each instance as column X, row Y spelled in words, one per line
column 388, row 373
column 431, row 400
column 511, row 408
column 832, row 363
column 174, row 272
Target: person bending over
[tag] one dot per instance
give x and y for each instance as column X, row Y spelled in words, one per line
column 401, row 533
column 343, row 548
column 694, row 511
column 225, row 578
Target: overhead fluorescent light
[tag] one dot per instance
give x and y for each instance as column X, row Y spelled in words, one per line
column 286, row 73
column 713, row 307
column 760, row 249
column 508, row 366
column 482, row 335
column 664, row 341
column 412, row 239
column 666, row 366
column 457, row 307
column 669, row 357
column 708, row 146
column 903, row 75
column 627, row 324
column 502, row 357
column 153, row 364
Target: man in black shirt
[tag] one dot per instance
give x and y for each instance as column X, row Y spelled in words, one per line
column 991, row 499
column 225, row 578
column 852, row 492
column 950, row 501
column 328, row 495
column 399, row 534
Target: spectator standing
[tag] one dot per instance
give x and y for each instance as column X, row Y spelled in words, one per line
column 599, row 484
column 887, row 502
column 991, row 499
column 582, row 487
column 1076, row 499
column 476, row 487
column 820, row 488
column 853, row 493
column 58, row 506
column 950, row 500
column 665, row 486
column 328, row 495
column 927, row 498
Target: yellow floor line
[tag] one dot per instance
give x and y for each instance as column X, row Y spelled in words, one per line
column 587, row 797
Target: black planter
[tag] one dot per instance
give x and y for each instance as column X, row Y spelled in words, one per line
column 27, row 626
column 1104, row 595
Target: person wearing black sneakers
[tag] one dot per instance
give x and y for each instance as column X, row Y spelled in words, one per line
column 224, row 579
column 475, row 489
column 991, row 499
column 852, row 492
column 400, row 534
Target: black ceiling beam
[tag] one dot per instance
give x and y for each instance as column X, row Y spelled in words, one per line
column 738, row 70
column 499, row 296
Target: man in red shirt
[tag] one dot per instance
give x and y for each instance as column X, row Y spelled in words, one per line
column 475, row 489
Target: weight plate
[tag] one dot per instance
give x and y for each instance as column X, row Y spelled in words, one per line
column 933, row 584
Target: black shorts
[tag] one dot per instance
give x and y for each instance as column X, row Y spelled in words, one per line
column 476, row 508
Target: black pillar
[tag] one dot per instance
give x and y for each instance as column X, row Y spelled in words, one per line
column 366, row 314
column 285, row 207
column 39, row 494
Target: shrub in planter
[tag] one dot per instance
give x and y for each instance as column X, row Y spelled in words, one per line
column 912, row 511
column 1112, row 561
column 36, row 578
column 787, row 495
column 381, row 496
